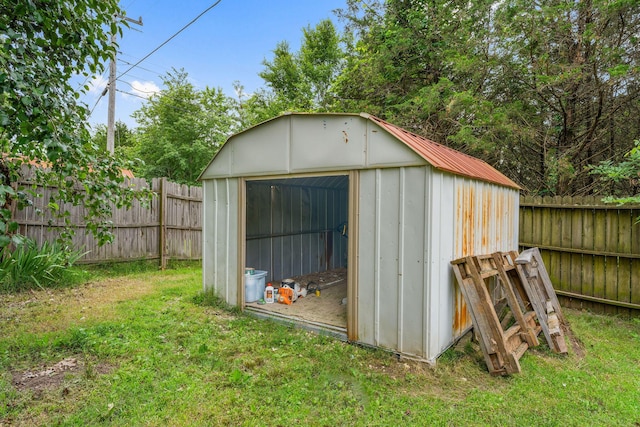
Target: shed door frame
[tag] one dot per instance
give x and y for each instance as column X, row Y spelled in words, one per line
column 352, row 244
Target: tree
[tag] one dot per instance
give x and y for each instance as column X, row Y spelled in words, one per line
column 573, row 70
column 419, row 63
column 302, row 81
column 621, row 180
column 123, row 137
column 538, row 89
column 181, row 128
column 44, row 44
column 256, row 107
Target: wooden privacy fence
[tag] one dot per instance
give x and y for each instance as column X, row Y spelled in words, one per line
column 591, row 250
column 168, row 227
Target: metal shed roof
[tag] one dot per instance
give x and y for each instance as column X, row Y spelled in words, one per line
column 445, row 158
column 437, row 155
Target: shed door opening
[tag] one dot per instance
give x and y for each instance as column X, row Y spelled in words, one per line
column 296, row 228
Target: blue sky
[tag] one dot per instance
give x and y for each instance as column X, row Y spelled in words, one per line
column 226, row 44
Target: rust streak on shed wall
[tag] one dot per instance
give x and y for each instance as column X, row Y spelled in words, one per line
column 468, row 209
column 486, row 210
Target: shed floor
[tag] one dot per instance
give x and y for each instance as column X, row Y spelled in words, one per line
column 326, row 309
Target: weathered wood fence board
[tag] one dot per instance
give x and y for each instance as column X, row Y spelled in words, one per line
column 591, row 249
column 169, row 226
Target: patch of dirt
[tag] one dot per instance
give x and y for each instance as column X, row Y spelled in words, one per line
column 51, row 377
column 575, row 342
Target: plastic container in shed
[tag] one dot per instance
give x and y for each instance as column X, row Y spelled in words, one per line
column 254, row 285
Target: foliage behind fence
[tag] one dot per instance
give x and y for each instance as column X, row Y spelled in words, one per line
column 172, row 220
column 591, row 250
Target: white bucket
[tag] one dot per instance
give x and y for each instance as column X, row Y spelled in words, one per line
column 254, row 285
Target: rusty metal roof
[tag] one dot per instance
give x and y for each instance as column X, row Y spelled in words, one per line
column 445, row 158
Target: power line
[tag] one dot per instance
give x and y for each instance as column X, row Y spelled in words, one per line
column 94, row 106
column 170, row 38
column 139, row 90
column 135, row 58
column 142, row 68
column 172, row 107
column 132, row 94
column 99, row 97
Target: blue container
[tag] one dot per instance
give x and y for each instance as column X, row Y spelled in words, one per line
column 254, row 285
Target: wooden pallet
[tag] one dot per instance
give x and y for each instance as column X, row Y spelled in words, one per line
column 501, row 313
column 511, row 300
column 534, row 277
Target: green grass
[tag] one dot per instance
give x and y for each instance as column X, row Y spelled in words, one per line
column 154, row 350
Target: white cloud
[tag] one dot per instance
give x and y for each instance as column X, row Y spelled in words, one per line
column 144, row 89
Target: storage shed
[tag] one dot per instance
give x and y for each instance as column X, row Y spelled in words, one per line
column 310, row 193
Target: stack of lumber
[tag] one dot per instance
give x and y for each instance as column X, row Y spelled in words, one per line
column 511, row 300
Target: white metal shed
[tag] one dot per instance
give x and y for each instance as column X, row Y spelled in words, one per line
column 276, row 196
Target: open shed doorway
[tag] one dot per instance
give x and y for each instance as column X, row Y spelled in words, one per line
column 297, row 228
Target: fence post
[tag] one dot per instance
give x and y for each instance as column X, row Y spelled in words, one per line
column 163, row 222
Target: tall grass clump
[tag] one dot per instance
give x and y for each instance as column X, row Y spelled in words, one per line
column 29, row 266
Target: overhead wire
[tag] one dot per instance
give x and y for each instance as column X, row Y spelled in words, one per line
column 139, row 67
column 132, row 94
column 170, row 38
column 172, row 107
column 156, row 49
column 96, row 104
column 138, row 90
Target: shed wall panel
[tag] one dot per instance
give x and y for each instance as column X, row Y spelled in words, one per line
column 329, row 143
column 332, row 143
column 368, row 269
column 220, row 239
column 387, row 224
column 412, row 256
column 486, row 217
column 262, row 151
column 391, row 272
column 384, row 151
column 438, row 286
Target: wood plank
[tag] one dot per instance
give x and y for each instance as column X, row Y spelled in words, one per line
column 554, row 239
column 599, row 262
column 498, row 349
column 543, row 297
column 576, row 260
column 526, row 224
column 611, row 263
column 588, row 244
column 624, row 245
column 515, row 304
column 566, row 227
column 480, row 321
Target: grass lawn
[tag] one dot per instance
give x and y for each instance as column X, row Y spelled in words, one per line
column 143, row 349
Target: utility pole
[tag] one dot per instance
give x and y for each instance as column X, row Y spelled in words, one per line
column 111, row 118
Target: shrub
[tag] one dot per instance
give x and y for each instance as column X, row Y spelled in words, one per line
column 29, row 266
